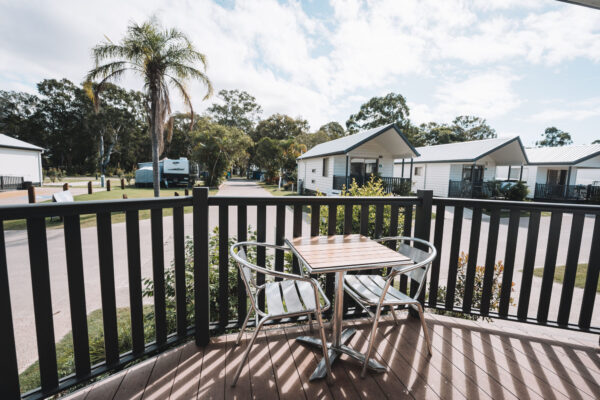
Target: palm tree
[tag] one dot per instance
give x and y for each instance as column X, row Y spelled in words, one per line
column 164, row 59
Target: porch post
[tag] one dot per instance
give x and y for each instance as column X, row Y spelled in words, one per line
column 472, row 167
column 508, row 177
column 567, row 183
column 403, row 168
column 411, row 169
column 347, row 172
column 201, row 284
column 521, row 174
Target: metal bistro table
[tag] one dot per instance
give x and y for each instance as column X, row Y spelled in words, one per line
column 339, row 254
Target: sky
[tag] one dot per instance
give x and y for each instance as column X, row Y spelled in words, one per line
column 523, row 65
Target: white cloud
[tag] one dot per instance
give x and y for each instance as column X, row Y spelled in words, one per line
column 299, row 64
column 574, row 111
column 487, row 94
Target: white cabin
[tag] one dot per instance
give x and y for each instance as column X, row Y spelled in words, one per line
column 460, row 169
column 330, row 166
column 561, row 173
column 21, row 160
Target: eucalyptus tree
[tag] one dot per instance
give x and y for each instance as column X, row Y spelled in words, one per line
column 166, row 59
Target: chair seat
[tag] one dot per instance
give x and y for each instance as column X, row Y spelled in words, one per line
column 289, row 297
column 370, row 287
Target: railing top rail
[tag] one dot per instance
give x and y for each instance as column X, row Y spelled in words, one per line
column 523, row 205
column 11, row 212
column 310, row 200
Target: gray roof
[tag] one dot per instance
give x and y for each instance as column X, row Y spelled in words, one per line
column 347, row 143
column 10, row 142
column 563, row 155
column 462, row 151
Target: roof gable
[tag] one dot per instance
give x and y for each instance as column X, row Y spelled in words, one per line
column 564, row 155
column 10, row 142
column 470, row 151
column 346, row 144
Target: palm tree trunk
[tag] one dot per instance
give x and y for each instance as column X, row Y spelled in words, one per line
column 155, row 135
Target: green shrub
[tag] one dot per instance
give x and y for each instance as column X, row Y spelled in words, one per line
column 518, row 191
column 373, row 188
column 402, row 189
column 459, row 293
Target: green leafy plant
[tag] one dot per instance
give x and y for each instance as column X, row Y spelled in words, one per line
column 402, row 189
column 372, row 188
column 459, row 293
column 518, row 191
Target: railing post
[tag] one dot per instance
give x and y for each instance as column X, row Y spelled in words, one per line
column 422, row 231
column 9, row 384
column 201, row 284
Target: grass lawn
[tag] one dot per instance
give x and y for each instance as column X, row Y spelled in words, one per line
column 559, row 274
column 30, row 378
column 274, row 190
column 89, row 220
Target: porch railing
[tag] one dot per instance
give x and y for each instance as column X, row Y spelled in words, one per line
column 469, row 190
column 11, row 182
column 555, row 192
column 345, row 215
column 389, row 183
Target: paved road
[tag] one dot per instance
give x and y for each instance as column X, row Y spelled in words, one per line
column 20, row 280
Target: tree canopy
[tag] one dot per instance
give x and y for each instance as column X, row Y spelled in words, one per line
column 239, row 110
column 554, row 137
column 463, row 128
column 379, row 111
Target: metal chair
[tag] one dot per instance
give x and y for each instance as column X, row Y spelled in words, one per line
column 375, row 290
column 291, row 296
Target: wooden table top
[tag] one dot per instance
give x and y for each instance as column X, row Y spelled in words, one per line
column 344, row 253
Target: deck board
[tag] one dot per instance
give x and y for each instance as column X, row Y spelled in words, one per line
column 471, row 359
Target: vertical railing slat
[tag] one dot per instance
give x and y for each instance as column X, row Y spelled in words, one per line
column 179, row 258
column 158, row 275
column 79, row 328
column 528, row 264
column 296, row 232
column 591, row 280
column 566, row 295
column 279, row 235
column 9, row 370
column 509, row 261
column 223, row 266
column 315, row 219
column 472, row 261
column 132, row 226
column 378, row 220
column 107, row 287
column 242, row 235
column 549, row 266
column 490, row 261
column 454, row 253
column 201, row 282
column 331, row 230
column 261, row 236
column 422, row 231
column 408, row 215
column 438, row 236
column 348, row 215
column 364, row 219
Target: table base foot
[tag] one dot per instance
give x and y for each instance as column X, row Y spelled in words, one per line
column 334, row 352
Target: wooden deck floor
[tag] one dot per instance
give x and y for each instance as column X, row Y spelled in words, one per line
column 471, row 360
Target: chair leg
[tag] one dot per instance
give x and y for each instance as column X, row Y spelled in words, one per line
column 239, row 338
column 394, row 314
column 247, row 351
column 324, row 346
column 424, row 325
column 371, row 340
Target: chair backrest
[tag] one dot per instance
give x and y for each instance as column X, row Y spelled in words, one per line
column 422, row 259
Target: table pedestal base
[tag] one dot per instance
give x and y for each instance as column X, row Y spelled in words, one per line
column 335, row 351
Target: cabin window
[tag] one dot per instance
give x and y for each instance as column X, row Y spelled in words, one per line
column 418, row 171
column 326, row 166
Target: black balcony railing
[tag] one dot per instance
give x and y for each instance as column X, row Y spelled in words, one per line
column 390, row 184
column 11, row 182
column 578, row 193
column 477, row 190
column 377, row 216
